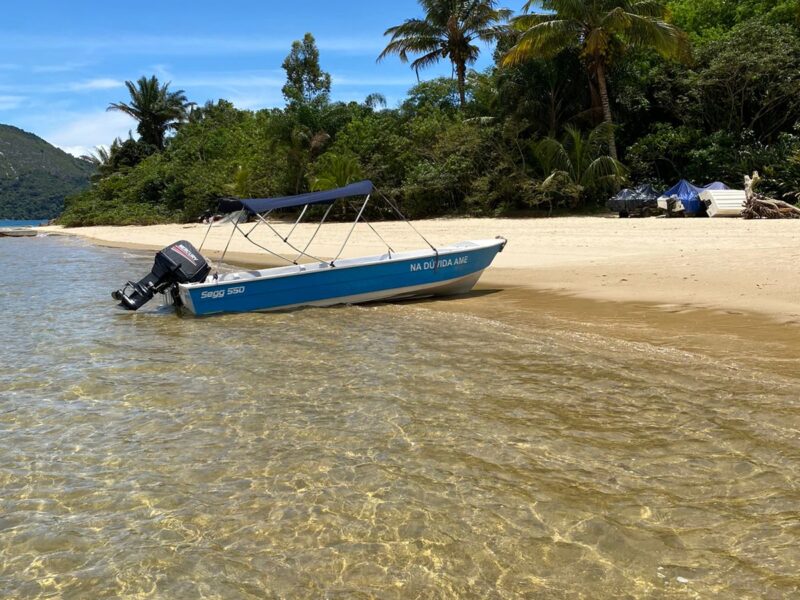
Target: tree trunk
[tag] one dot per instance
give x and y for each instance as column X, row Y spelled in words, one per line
column 461, row 69
column 602, row 85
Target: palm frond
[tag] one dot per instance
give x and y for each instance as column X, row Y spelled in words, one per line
column 666, row 39
column 649, row 8
column 603, row 170
column 544, row 40
column 553, row 156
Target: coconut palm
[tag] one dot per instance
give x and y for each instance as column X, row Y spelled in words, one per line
column 448, row 30
column 155, row 107
column 577, row 163
column 99, row 156
column 600, row 30
column 100, row 159
column 336, row 171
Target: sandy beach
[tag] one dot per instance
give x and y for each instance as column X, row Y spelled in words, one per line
column 727, row 264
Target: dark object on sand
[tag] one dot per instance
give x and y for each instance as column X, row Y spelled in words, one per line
column 641, row 201
column 683, row 199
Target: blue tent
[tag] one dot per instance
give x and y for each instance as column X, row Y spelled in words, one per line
column 689, row 194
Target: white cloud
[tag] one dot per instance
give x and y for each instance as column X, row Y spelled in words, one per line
column 11, row 102
column 96, row 84
column 78, row 150
column 60, row 68
column 80, row 133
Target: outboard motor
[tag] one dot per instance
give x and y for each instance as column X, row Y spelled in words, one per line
column 177, row 263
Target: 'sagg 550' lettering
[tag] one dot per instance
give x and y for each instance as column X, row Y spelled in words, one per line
column 219, row 294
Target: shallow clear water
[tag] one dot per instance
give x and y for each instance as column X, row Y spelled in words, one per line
column 384, row 451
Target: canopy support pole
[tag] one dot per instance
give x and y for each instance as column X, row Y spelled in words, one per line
column 352, row 229
column 296, row 223
column 224, row 252
column 205, row 237
column 402, row 216
column 276, row 232
column 267, row 250
column 380, row 237
column 308, row 245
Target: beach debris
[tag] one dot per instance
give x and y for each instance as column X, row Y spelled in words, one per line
column 758, row 206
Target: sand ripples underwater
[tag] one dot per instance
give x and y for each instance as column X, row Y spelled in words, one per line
column 383, row 451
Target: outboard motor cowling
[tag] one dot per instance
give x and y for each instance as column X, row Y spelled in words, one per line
column 178, row 263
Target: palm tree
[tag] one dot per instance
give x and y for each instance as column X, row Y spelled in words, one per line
column 600, row 30
column 448, row 30
column 155, row 107
column 99, row 156
column 336, row 171
column 577, row 164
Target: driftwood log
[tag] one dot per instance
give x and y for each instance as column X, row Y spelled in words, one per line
column 759, row 206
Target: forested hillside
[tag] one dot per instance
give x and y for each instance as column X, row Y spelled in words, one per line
column 35, row 177
column 583, row 98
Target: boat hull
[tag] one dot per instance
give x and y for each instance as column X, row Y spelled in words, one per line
column 455, row 270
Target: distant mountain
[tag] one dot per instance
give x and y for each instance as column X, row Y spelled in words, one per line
column 35, row 176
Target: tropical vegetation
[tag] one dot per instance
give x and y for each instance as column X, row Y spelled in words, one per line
column 582, row 98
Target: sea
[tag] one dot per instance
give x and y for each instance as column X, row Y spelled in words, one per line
column 383, row 451
column 12, row 223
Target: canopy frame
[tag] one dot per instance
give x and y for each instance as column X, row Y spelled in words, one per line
column 263, row 207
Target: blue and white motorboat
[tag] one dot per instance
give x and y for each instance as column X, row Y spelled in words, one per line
column 183, row 275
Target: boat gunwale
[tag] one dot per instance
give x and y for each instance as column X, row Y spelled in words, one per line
column 363, row 262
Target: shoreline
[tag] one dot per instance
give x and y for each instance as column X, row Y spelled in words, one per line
column 728, row 265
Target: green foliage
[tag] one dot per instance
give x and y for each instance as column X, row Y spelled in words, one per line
column 486, row 143
column 463, row 169
column 671, row 153
column 440, row 93
column 35, row 177
column 732, row 112
column 120, row 157
column 576, row 168
column 306, row 82
column 600, row 32
column 750, row 80
column 335, row 171
column 712, row 19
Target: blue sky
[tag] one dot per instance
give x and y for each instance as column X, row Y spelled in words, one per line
column 61, row 63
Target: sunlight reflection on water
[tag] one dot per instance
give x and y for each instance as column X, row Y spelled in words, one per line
column 385, row 451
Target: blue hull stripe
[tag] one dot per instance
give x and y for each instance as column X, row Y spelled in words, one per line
column 316, row 286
